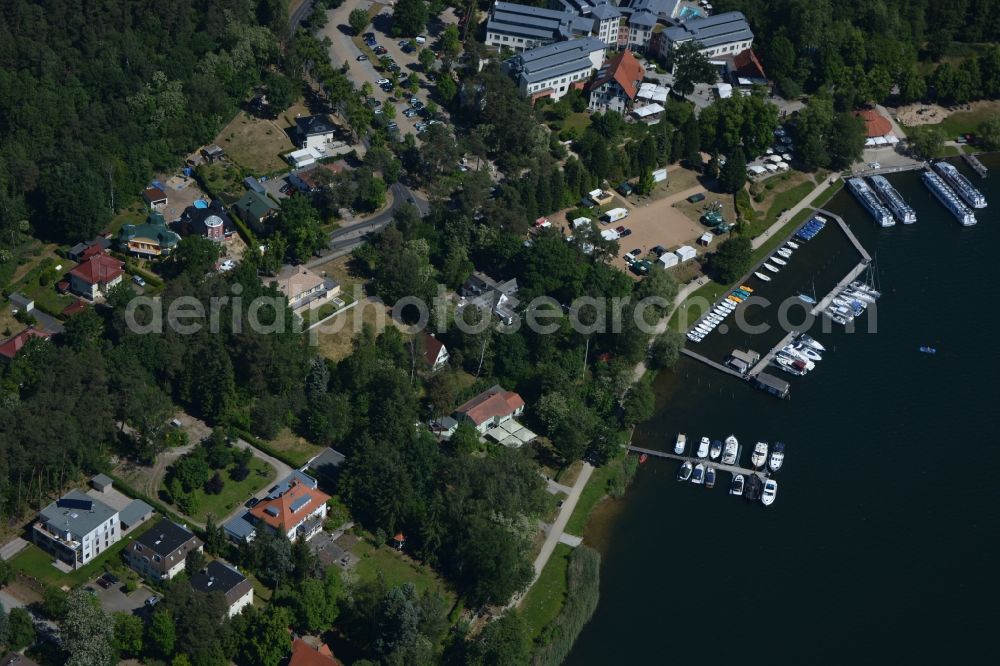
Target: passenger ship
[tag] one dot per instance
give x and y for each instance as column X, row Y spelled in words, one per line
column 948, row 197
column 860, row 188
column 965, row 189
column 897, row 205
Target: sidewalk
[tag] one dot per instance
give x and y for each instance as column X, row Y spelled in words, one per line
column 793, row 211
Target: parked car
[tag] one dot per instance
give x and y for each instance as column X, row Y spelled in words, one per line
column 386, row 87
column 636, row 252
column 620, row 229
column 138, row 280
column 152, row 601
column 420, row 40
column 627, row 232
column 251, row 503
column 362, row 58
column 381, row 81
column 369, row 35
column 402, row 43
column 659, row 250
column 392, row 126
column 409, row 113
column 380, row 50
column 414, row 101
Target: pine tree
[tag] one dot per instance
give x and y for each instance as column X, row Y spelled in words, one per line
column 733, row 175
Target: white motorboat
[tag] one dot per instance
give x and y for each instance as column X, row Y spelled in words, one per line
column 703, row 447
column 759, row 457
column 793, row 244
column 784, row 252
column 736, row 487
column 794, row 353
column 779, row 261
column 710, row 477
column 715, row 450
column 680, row 444
column 727, row 305
column 809, row 352
column 799, row 362
column 770, row 492
column 777, row 457
column 699, row 474
column 730, row 451
column 704, row 330
column 771, row 268
column 694, row 337
column 685, row 471
column 790, row 366
column 807, row 340
column 762, row 276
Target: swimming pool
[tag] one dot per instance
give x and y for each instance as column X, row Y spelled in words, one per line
column 688, row 13
column 199, row 203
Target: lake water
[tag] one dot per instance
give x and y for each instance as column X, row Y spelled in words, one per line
column 881, row 546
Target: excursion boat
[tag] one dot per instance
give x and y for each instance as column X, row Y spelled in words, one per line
column 770, row 492
column 710, row 477
column 753, row 488
column 703, row 446
column 948, row 198
column 778, row 260
column 961, row 184
column 808, row 340
column 698, row 477
column 771, row 268
column 762, row 276
column 759, row 456
column 897, row 205
column 736, row 487
column 777, row 457
column 730, row 451
column 859, row 188
column 680, row 444
column 685, row 471
column 715, row 450
column 806, row 298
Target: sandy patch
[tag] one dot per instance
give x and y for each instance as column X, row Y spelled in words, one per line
column 929, row 114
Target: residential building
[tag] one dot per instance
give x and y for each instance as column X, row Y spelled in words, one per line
column 745, row 70
column 81, row 251
column 21, row 303
column 550, row 71
column 523, row 27
column 255, row 209
column 212, row 222
column 213, row 153
column 315, row 132
column 486, row 293
column 160, row 552
column 10, row 347
column 304, row 654
column 150, row 239
column 94, row 276
column 722, row 34
column 617, row 83
column 222, row 577
column 304, row 289
column 490, row 408
column 154, row 197
column 76, row 528
column 314, row 178
column 435, row 353
column 295, row 508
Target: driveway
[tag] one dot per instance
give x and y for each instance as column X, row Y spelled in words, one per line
column 12, row 548
column 114, row 600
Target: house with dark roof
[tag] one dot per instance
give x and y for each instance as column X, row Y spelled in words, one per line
column 315, row 132
column 81, row 251
column 484, row 292
column 212, row 222
column 255, row 209
column 224, row 578
column 435, row 353
column 10, row 347
column 722, row 34
column 149, row 239
column 76, row 528
column 154, row 197
column 94, row 276
column 490, row 408
column 160, row 552
column 617, row 83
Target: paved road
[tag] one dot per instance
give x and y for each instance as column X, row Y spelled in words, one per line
column 299, row 15
column 794, row 210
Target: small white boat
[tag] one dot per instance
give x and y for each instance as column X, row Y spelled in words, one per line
column 779, row 261
column 710, row 477
column 694, row 337
column 680, row 444
column 793, row 244
column 762, row 276
column 728, row 306
column 784, row 252
column 759, row 457
column 770, row 492
column 736, row 488
column 807, row 340
column 800, row 362
column 777, row 457
column 771, row 268
column 790, row 366
column 703, row 446
column 685, row 471
column 699, row 474
column 730, row 451
column 715, row 450
column 704, row 330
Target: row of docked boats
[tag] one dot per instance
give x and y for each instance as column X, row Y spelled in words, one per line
column 750, row 486
column 718, row 314
column 961, row 184
column 800, row 355
column 851, row 302
column 812, row 227
column 866, row 197
column 728, row 452
column 777, row 261
column 948, row 198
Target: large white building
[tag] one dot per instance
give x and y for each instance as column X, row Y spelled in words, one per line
column 719, row 35
column 76, row 528
column 550, row 71
column 523, row 27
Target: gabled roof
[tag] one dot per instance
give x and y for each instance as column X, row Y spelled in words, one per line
column 314, row 125
column 432, row 349
column 165, row 537
column 489, row 404
column 98, row 269
column 712, row 31
column 153, row 194
column 625, row 70
column 10, row 347
column 304, row 654
column 875, row 123
column 255, row 204
column 748, row 66
column 286, row 511
column 219, row 577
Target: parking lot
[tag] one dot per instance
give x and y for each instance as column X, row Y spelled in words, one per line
column 114, row 600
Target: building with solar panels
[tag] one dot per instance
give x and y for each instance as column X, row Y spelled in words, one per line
column 76, row 528
column 294, row 507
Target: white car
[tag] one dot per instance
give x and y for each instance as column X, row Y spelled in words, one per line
column 381, row 82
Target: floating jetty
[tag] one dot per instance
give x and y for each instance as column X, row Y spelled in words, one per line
column 975, row 164
column 859, row 188
column 734, row 469
column 965, row 189
column 903, row 212
column 948, row 198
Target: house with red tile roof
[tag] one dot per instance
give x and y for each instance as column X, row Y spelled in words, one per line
column 875, row 123
column 435, row 353
column 9, row 348
column 95, row 275
column 491, row 408
column 297, row 512
column 616, row 84
column 304, row 654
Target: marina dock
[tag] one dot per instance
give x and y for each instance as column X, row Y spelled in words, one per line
column 707, row 361
column 769, row 356
column 732, row 469
column 975, row 164
column 847, row 232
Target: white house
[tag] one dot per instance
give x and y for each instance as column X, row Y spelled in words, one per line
column 76, row 528
column 295, row 508
column 550, row 71
column 221, row 577
column 435, row 353
column 93, row 277
column 315, row 132
column 304, row 289
column 491, row 408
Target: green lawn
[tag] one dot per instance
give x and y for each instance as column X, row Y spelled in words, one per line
column 593, row 492
column 397, row 569
column 233, row 493
column 35, row 562
column 966, row 122
column 545, row 598
column 297, row 449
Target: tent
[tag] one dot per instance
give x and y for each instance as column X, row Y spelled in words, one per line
column 668, row 259
column 685, row 253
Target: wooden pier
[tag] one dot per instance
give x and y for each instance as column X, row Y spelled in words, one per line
column 769, row 356
column 847, row 232
column 975, row 164
column 707, row 361
column 732, row 469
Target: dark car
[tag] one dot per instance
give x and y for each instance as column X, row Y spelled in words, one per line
column 369, row 35
column 104, row 582
column 620, row 230
column 285, row 189
column 251, row 503
column 636, row 252
column 386, row 87
column 627, row 232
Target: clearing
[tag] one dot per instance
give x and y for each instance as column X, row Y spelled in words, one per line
column 335, row 337
column 397, row 568
column 255, row 144
column 956, row 120
column 233, row 493
column 297, row 449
